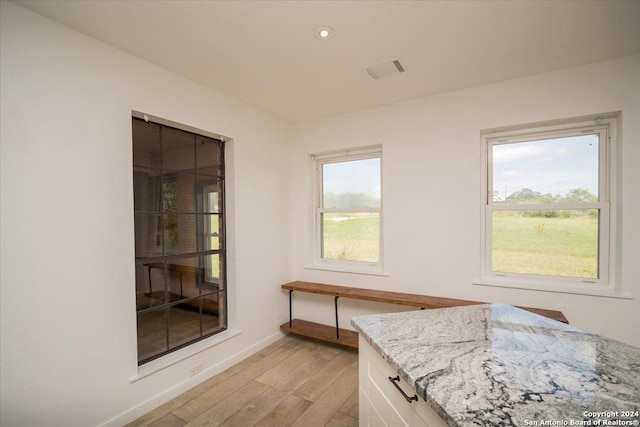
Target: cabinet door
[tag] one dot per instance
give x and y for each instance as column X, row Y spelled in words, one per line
column 388, row 403
column 369, row 416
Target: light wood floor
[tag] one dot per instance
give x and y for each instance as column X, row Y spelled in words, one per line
column 293, row 382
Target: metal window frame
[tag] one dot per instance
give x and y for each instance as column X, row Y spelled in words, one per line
column 200, row 252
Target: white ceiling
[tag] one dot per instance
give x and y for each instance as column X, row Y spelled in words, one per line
column 265, row 53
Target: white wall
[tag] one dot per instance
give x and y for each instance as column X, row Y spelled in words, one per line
column 68, row 342
column 432, row 190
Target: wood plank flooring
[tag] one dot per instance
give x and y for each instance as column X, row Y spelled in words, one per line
column 296, row 381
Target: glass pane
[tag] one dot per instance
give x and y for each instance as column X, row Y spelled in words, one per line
column 178, row 192
column 169, row 193
column 152, row 335
column 184, row 323
column 149, row 285
column 209, row 156
column 146, row 143
column 146, row 190
column 547, row 171
column 351, row 236
column 183, row 275
column 209, row 232
column 209, row 194
column 212, row 312
column 547, row 242
column 148, row 235
column 179, row 234
column 211, row 269
column 178, row 150
column 352, row 184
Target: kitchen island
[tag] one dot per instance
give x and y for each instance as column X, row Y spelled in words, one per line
column 492, row 365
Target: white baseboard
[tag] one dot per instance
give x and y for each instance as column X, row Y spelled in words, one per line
column 166, row 395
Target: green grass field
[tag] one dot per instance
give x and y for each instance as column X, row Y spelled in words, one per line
column 530, row 245
column 549, row 246
column 352, row 237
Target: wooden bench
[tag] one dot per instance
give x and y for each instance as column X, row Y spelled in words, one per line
column 152, row 297
column 350, row 338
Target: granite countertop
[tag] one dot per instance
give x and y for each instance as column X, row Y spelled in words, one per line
column 497, row 365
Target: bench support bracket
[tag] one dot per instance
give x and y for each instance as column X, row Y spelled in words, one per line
column 290, row 310
column 337, row 328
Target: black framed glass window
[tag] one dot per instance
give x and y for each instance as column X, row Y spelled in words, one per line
column 180, row 254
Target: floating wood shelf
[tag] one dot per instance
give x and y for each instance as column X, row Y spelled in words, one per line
column 321, row 332
column 350, row 338
column 413, row 300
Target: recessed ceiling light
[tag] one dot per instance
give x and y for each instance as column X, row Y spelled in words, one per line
column 324, row 33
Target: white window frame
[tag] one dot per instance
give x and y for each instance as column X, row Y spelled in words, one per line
column 605, row 284
column 347, row 266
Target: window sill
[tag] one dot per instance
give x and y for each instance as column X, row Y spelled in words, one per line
column 546, row 287
column 347, row 269
column 182, row 354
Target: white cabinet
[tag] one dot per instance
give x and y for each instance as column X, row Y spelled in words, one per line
column 381, row 403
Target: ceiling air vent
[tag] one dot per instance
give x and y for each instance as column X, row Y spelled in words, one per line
column 385, row 69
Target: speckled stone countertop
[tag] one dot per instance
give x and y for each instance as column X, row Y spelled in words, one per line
column 497, row 365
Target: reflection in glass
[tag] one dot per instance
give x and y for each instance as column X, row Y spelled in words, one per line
column 148, row 235
column 351, row 236
column 212, row 312
column 152, row 336
column 209, row 155
column 546, row 242
column 179, row 234
column 184, row 323
column 210, row 232
column 213, row 201
column 150, row 285
column 146, row 144
column 209, row 196
column 171, row 234
column 211, row 268
column 146, row 190
column 182, row 277
column 352, row 184
column 169, row 195
column 178, row 149
column 178, row 192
